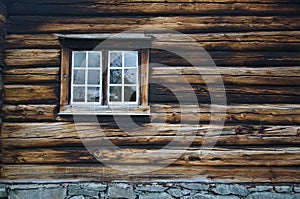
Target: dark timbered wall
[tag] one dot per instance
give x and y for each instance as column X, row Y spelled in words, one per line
column 255, row 44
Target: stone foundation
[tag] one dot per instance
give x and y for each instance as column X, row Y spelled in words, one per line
column 158, row 190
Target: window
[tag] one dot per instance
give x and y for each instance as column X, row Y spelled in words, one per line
column 104, row 81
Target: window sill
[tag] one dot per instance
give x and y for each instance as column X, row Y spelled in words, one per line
column 104, row 110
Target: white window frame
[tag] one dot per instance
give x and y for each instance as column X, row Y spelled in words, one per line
column 123, row 103
column 86, row 85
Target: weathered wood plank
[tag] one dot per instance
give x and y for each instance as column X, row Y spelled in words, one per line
column 191, row 157
column 273, row 40
column 257, row 36
column 51, row 57
column 149, row 1
column 265, row 114
column 45, row 24
column 31, row 75
column 268, row 76
column 101, row 173
column 234, row 94
column 38, row 135
column 32, row 41
column 252, row 59
column 32, row 57
column 293, row 71
column 145, row 8
column 258, row 114
column 30, row 112
column 16, row 94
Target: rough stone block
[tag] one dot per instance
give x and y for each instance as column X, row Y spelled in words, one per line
column 154, row 195
column 176, row 192
column 297, row 189
column 224, row 189
column 55, row 193
column 283, row 189
column 3, row 193
column 120, row 190
column 195, row 186
column 269, row 195
column 151, row 188
column 261, row 188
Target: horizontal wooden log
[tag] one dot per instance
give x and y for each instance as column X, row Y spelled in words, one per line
column 132, row 8
column 266, row 114
column 293, row 71
column 256, row 114
column 257, row 36
column 226, row 58
column 50, row 57
column 19, row 41
column 68, row 134
column 186, row 93
column 215, row 156
column 31, row 75
column 45, row 24
column 16, row 94
column 232, row 46
column 273, row 40
column 102, row 173
column 268, row 76
column 146, row 1
column 30, row 112
column 32, row 57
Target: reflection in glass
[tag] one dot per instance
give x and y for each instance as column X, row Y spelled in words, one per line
column 93, row 94
column 94, row 59
column 130, row 76
column 94, row 77
column 130, row 94
column 79, row 59
column 79, row 76
column 78, row 94
column 115, row 59
column 115, row 93
column 130, row 59
column 115, row 76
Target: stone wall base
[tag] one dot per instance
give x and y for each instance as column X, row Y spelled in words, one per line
column 147, row 190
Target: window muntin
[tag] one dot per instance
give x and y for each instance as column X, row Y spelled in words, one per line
column 123, row 78
column 86, row 81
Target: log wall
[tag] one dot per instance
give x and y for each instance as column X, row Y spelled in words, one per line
column 255, row 45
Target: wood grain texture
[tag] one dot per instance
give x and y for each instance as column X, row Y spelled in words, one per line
column 257, row 114
column 16, row 94
column 101, row 173
column 154, row 8
column 31, row 75
column 68, row 24
column 67, row 134
column 272, row 41
column 190, row 157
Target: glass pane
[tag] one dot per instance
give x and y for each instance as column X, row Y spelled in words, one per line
column 79, row 76
column 78, row 94
column 130, row 93
column 130, row 59
column 115, row 76
column 130, row 76
column 94, row 59
column 93, row 94
column 94, row 77
column 79, row 59
column 115, row 59
column 115, row 93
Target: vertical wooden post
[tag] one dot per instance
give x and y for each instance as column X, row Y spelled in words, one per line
column 145, row 77
column 65, row 77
